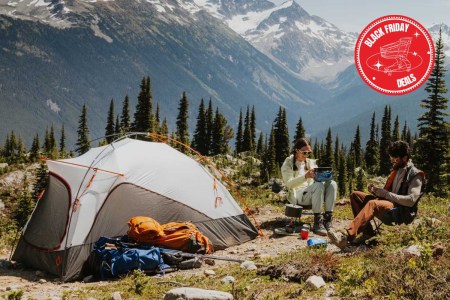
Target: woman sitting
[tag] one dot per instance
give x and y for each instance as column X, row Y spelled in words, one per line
column 298, row 175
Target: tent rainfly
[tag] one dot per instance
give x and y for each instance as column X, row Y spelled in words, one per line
column 96, row 194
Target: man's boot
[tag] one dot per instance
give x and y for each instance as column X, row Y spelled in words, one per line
column 318, row 227
column 328, row 220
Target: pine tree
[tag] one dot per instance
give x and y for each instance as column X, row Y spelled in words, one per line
column 199, row 141
column 35, row 148
column 62, row 143
column 125, row 121
column 342, row 174
column 143, row 116
column 117, row 130
column 109, row 129
column 372, row 150
column 253, row 129
column 396, row 130
column 47, row 143
column 282, row 142
column 328, row 158
column 361, row 181
column 357, row 148
column 404, row 132
column 52, row 139
column 209, row 126
column 269, row 164
column 222, row 133
column 299, row 131
column 41, row 181
column 433, row 148
column 336, row 154
column 83, row 142
column 157, row 124
column 351, row 167
column 260, row 145
column 247, row 138
column 25, row 205
column 21, row 150
column 316, row 149
column 239, row 135
column 164, row 130
column 182, row 132
column 385, row 164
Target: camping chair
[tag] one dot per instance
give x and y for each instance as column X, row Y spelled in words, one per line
column 394, row 216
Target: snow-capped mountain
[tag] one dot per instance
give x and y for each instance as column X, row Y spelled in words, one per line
column 58, row 55
column 309, row 46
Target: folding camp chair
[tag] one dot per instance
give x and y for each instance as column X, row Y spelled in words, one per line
column 394, row 216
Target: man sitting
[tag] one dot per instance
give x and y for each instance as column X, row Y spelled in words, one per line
column 402, row 189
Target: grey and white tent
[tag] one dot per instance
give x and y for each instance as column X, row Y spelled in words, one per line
column 96, row 194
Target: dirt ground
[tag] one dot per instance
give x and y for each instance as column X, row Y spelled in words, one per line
column 39, row 285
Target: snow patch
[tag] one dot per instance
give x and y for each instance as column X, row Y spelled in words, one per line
column 38, row 3
column 13, row 4
column 244, row 23
column 53, row 106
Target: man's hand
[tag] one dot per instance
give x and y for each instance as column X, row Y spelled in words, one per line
column 371, row 188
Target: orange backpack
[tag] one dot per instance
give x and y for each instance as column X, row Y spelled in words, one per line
column 144, row 229
column 183, row 236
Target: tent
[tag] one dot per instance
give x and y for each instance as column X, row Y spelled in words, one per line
column 96, row 194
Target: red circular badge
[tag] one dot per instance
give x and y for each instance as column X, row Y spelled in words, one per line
column 394, row 55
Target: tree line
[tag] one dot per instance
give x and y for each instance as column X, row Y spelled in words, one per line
column 212, row 136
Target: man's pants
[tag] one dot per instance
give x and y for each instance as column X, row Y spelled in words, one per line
column 365, row 207
column 318, row 193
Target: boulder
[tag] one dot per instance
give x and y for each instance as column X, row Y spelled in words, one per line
column 186, row 293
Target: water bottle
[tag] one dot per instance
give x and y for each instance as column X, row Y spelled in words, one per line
column 316, row 242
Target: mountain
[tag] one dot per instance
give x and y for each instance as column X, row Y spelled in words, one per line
column 309, row 46
column 57, row 55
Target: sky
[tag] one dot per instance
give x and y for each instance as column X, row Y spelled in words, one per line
column 355, row 15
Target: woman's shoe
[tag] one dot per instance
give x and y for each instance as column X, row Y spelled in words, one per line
column 318, row 227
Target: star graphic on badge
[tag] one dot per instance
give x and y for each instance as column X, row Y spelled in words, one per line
column 378, row 65
column 415, row 53
column 416, row 34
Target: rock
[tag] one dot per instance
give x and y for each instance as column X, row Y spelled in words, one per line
column 210, row 262
column 228, row 279
column 248, row 265
column 42, row 281
column 209, row 273
column 91, row 298
column 252, row 248
column 39, row 273
column 186, row 293
column 116, row 296
column 413, row 250
column 3, row 165
column 315, row 282
column 438, row 249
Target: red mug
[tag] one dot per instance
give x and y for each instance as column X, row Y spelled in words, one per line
column 304, row 234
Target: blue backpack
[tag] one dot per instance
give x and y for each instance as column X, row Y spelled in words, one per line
column 117, row 257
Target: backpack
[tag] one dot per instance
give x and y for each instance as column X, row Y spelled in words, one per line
column 183, row 236
column 115, row 257
column 144, row 229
